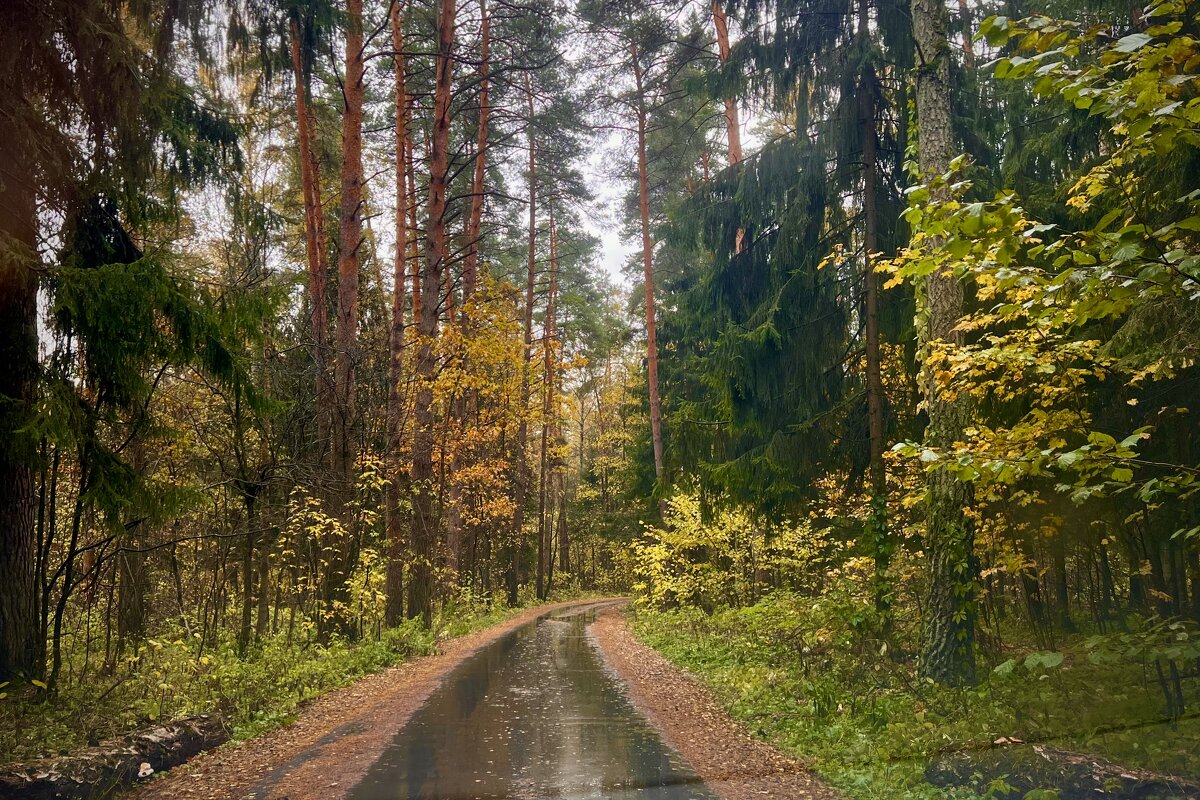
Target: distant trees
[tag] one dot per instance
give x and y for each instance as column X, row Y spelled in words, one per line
column 210, row 430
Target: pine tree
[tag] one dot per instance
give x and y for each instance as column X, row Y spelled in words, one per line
column 437, row 257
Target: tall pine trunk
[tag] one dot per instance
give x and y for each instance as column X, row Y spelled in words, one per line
column 396, row 534
column 475, row 220
column 19, row 629
column 520, row 466
column 351, row 242
column 465, row 403
column 948, row 649
column 732, row 124
column 314, row 243
column 424, row 522
column 335, row 592
column 733, row 128
column 648, row 268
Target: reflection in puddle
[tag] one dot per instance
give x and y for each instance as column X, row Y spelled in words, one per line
column 533, row 716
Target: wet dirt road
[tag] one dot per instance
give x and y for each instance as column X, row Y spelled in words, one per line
column 534, row 715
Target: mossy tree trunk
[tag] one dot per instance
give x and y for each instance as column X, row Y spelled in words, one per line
column 948, row 648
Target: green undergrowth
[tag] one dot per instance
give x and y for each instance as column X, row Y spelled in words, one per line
column 803, row 673
column 171, row 676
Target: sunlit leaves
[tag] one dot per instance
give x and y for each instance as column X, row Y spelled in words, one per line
column 1039, row 349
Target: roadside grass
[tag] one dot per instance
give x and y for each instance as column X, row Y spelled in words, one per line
column 171, row 676
column 805, row 674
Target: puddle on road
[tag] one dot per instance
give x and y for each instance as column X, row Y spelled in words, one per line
column 535, row 715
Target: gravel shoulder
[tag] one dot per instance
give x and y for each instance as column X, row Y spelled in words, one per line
column 732, row 762
column 335, row 739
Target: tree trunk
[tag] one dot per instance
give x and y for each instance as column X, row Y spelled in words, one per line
column 248, row 543
column 648, row 269
column 463, row 405
column 1062, row 591
column 948, row 649
column 1067, row 775
column 314, row 242
column 262, row 621
column 335, row 592
column 564, row 537
column 878, row 529
column 351, row 242
column 424, row 523
column 396, row 535
column 548, row 348
column 131, row 598
column 520, row 466
column 732, row 124
column 101, row 771
column 1193, row 569
column 475, row 220
column 19, row 630
column 964, row 20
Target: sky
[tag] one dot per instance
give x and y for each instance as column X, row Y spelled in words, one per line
column 605, row 225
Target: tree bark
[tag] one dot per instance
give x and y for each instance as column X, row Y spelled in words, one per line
column 99, row 772
column 964, row 20
column 351, row 241
column 424, row 523
column 732, row 124
column 520, row 465
column 1062, row 591
column 475, row 220
column 948, row 649
column 262, row 621
column 248, row 544
column 335, row 592
column 878, row 531
column 1071, row 776
column 314, row 242
column 548, row 335
column 564, row 535
column 648, row 268
column 19, row 629
column 396, row 534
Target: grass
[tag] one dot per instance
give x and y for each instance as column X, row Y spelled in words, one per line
column 167, row 679
column 804, row 674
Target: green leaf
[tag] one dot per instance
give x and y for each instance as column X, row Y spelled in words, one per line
column 1121, row 474
column 1132, row 42
column 1044, row 660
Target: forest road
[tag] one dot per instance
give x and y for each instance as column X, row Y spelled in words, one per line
column 559, row 702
